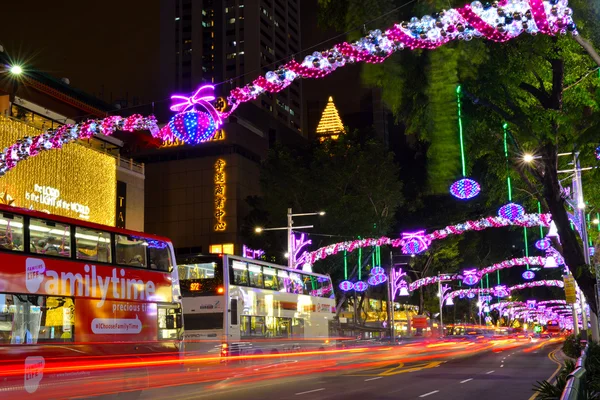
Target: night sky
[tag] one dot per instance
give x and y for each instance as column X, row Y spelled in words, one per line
column 112, row 47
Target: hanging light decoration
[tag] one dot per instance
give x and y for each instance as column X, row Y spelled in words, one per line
column 465, row 189
column 597, row 152
column 403, row 289
column 543, row 244
column 449, row 301
column 470, row 277
column 346, row 286
column 553, row 232
column 377, row 271
column 528, row 275
column 550, row 263
column 471, row 295
column 511, row 211
column 360, row 286
column 377, row 279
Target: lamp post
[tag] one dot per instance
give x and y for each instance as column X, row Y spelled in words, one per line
column 441, row 292
column 288, row 228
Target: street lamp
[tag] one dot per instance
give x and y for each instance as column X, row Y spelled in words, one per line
column 290, row 223
column 528, row 158
column 16, row 69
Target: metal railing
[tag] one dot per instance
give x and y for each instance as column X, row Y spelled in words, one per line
column 575, row 388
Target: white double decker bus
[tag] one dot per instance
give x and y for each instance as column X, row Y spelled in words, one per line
column 242, row 306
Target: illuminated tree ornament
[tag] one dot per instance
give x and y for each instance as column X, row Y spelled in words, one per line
column 192, row 126
column 403, row 289
column 511, row 211
column 360, row 286
column 597, row 153
column 414, row 242
column 377, row 279
column 465, row 189
column 331, row 125
column 449, row 301
column 550, row 263
column 543, row 244
column 377, row 271
column 346, row 286
column 470, row 277
column 471, row 295
column 528, row 275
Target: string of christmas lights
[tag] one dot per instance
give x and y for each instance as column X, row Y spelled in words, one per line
column 51, row 139
column 499, row 22
column 527, row 220
column 475, row 291
column 430, row 280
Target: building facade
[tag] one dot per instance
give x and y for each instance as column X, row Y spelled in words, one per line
column 231, row 43
column 89, row 179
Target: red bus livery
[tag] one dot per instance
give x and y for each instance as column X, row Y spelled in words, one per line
column 77, row 293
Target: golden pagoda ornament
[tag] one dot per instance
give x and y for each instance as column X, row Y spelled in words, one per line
column 6, row 199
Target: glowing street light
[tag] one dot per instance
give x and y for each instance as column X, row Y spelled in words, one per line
column 528, row 158
column 596, row 221
column 16, row 70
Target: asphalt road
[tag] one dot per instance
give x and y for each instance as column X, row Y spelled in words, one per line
column 490, row 374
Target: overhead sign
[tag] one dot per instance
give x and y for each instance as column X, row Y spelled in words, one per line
column 570, row 290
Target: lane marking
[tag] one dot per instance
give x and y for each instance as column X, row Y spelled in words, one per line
column 372, row 379
column 310, row 391
column 553, row 358
column 466, row 380
column 489, row 372
column 429, row 394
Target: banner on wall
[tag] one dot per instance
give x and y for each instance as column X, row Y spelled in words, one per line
column 121, row 213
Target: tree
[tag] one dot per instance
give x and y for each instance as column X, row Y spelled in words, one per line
column 354, row 179
column 543, row 87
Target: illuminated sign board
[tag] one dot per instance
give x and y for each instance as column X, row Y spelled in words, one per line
column 218, row 137
column 226, row 248
column 220, row 199
column 76, row 181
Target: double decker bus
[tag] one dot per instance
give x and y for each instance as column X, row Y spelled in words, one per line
column 242, row 306
column 79, row 293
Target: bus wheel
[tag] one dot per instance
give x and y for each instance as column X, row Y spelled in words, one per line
column 274, row 351
column 258, row 353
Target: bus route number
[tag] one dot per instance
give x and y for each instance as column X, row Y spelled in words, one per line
column 194, row 286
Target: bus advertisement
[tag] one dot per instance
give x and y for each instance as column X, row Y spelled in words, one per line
column 73, row 292
column 243, row 306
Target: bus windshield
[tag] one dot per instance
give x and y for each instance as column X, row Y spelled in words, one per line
column 201, row 276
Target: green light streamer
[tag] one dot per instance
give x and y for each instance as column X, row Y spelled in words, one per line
column 539, row 212
column 345, row 265
column 526, row 243
column 359, row 263
column 460, row 131
column 505, row 128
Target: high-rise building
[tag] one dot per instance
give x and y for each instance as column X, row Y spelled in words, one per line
column 231, row 43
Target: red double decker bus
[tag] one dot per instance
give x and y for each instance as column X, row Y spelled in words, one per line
column 81, row 301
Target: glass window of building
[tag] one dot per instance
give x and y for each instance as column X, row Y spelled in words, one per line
column 11, row 232
column 131, row 251
column 49, row 238
column 92, row 245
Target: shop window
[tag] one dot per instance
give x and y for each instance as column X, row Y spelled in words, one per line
column 256, row 276
column 131, row 251
column 92, row 245
column 11, row 232
column 49, row 238
column 35, row 319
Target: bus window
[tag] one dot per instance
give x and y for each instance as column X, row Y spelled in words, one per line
column 131, row 251
column 92, row 245
column 197, row 271
column 256, row 276
column 297, row 283
column 298, row 327
column 252, row 326
column 284, row 282
column 270, row 276
column 49, row 238
column 11, row 232
column 35, row 319
column 240, row 273
column 159, row 255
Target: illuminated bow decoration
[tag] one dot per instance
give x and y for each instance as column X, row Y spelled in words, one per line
column 418, row 238
column 202, row 97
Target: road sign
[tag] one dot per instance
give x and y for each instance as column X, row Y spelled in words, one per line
column 419, row 321
column 570, row 291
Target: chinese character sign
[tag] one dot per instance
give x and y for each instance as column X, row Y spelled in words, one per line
column 220, row 199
